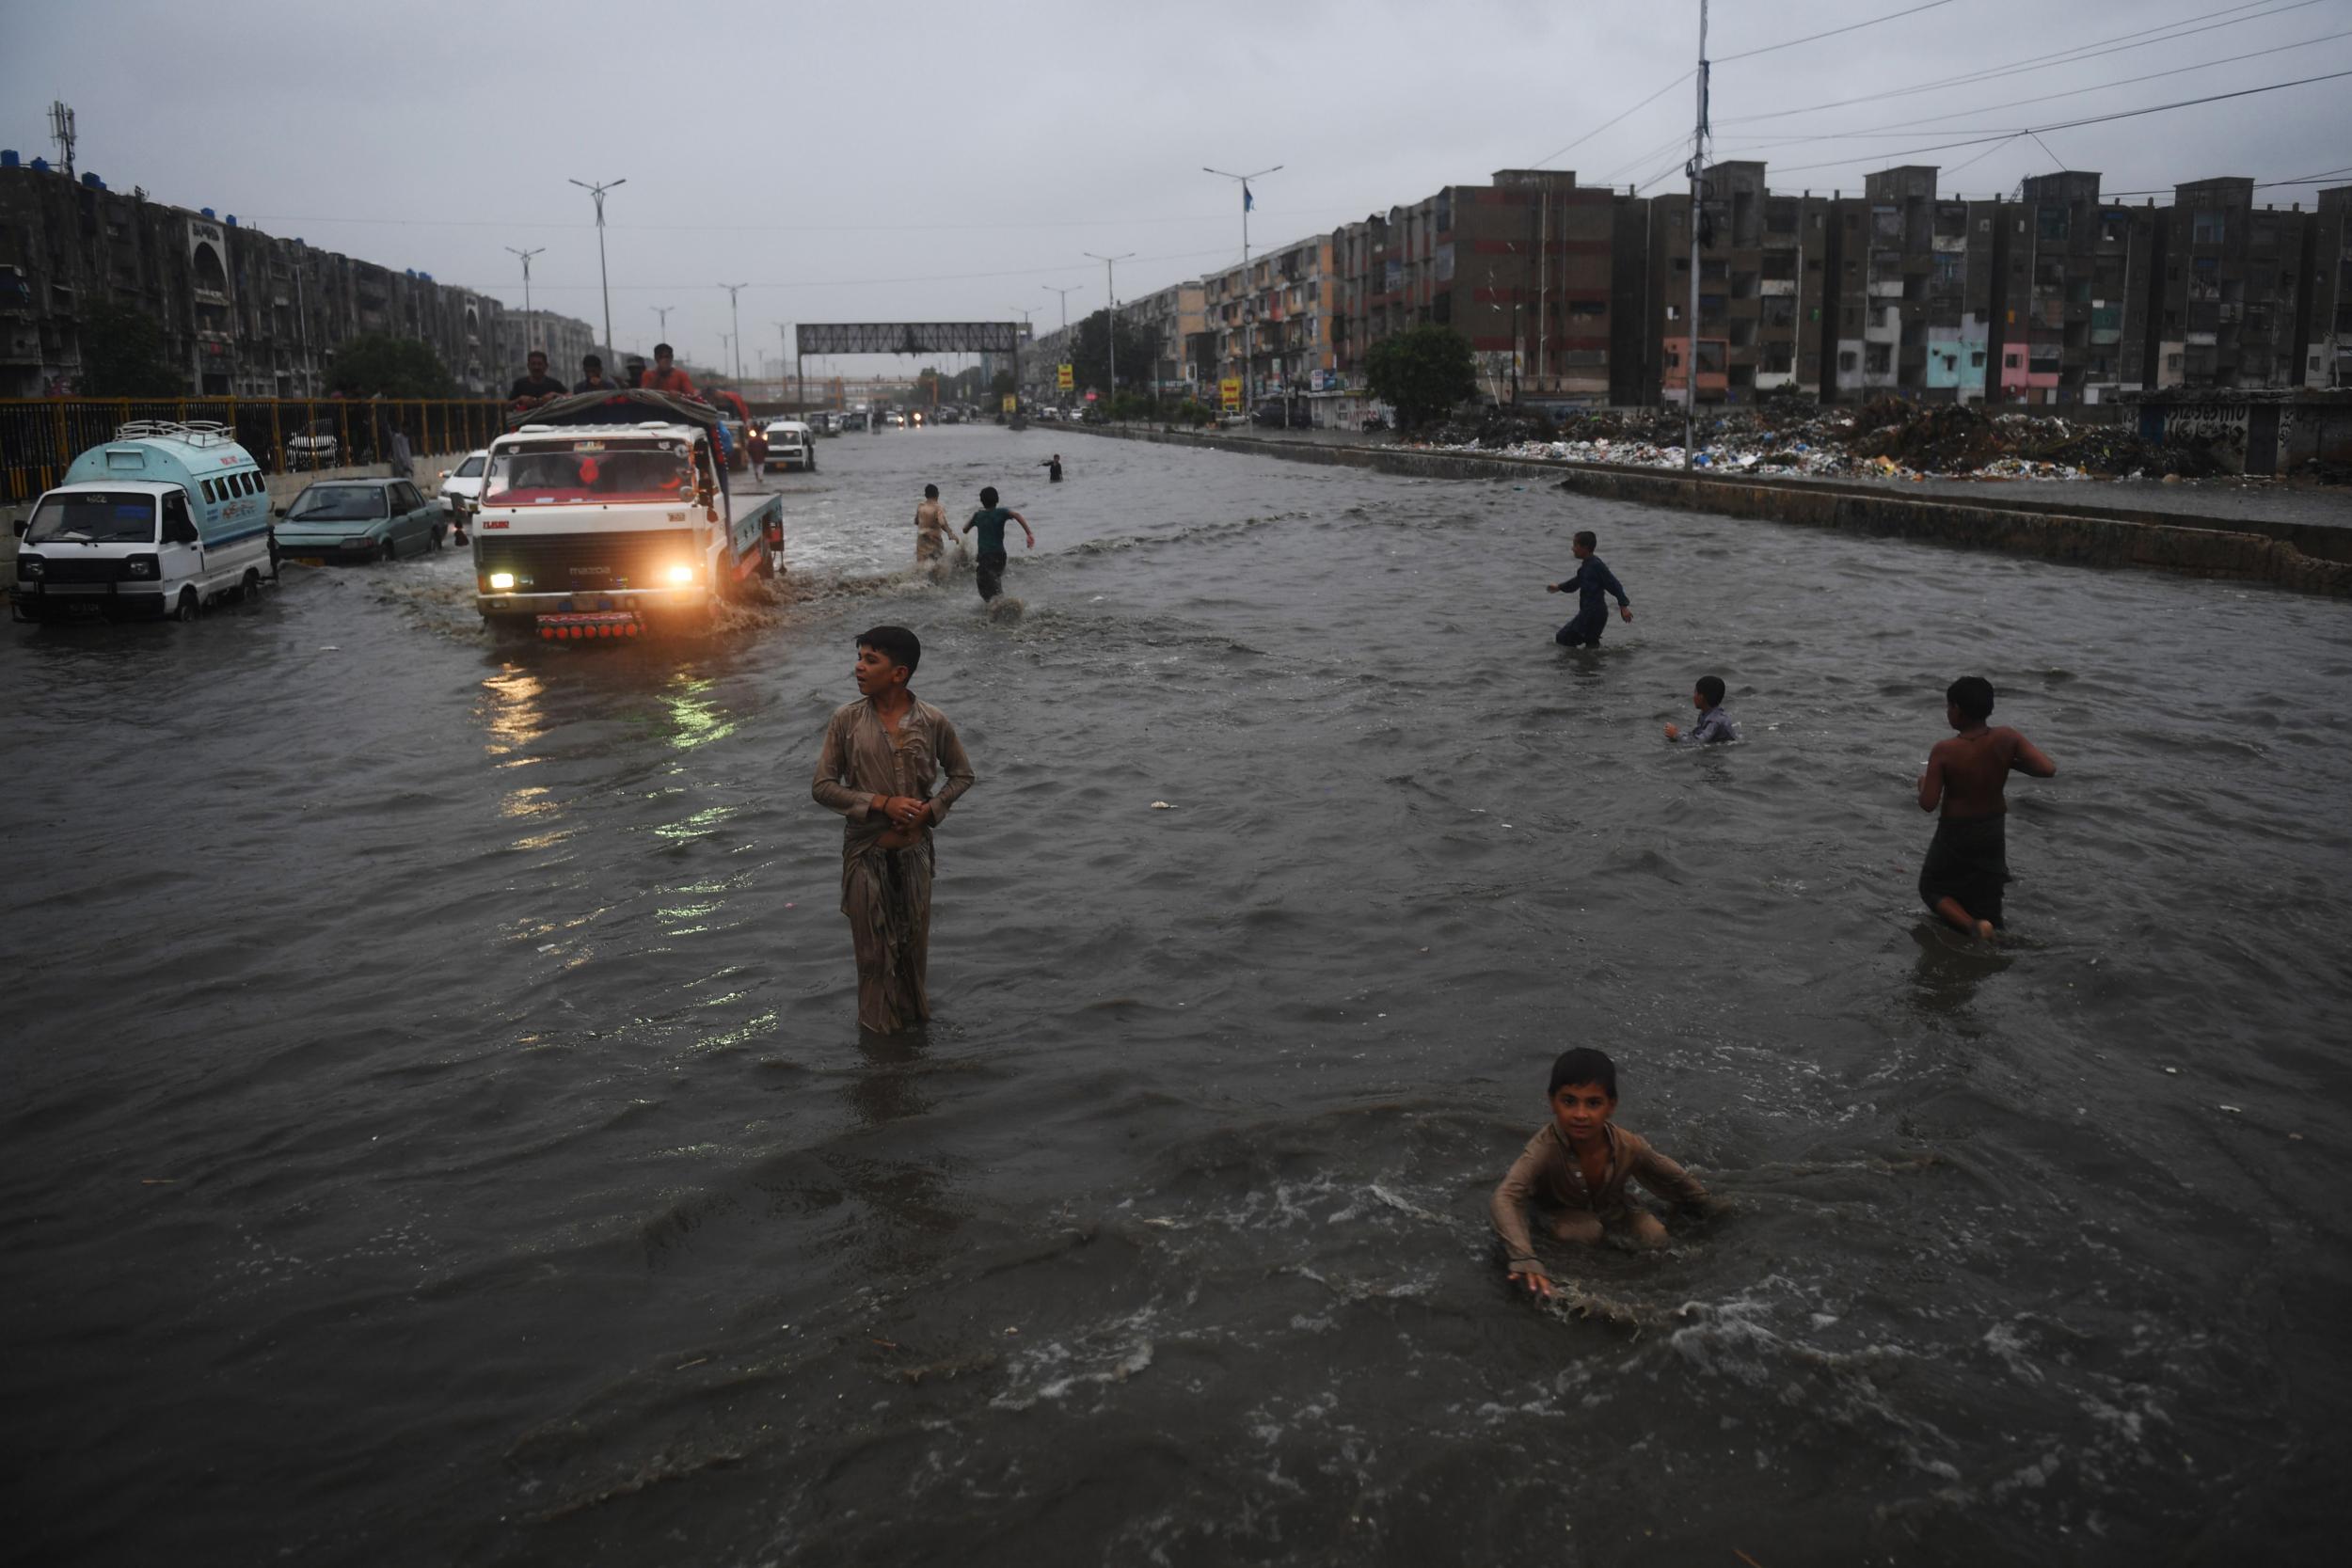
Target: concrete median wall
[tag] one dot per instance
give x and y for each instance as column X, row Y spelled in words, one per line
column 2304, row 557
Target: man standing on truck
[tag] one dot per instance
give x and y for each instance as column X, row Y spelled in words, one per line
column 591, row 376
column 531, row 390
column 665, row 377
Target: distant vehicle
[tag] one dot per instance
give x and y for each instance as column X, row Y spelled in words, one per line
column 1283, row 414
column 854, row 420
column 463, row 480
column 790, row 445
column 604, row 513
column 1045, row 413
column 360, row 519
column 951, row 415
column 826, row 423
column 160, row 520
column 895, row 421
column 315, row 447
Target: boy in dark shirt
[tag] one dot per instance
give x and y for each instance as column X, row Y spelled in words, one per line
column 1715, row 726
column 1592, row 584
column 1969, row 862
column 1577, row 1168
column 990, row 520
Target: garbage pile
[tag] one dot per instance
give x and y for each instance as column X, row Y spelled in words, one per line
column 1888, row 438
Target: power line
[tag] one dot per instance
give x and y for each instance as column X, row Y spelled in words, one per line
column 2043, row 62
column 1607, row 123
column 2071, row 124
column 1810, row 37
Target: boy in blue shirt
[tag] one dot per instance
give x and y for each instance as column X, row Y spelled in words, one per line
column 1592, row 584
column 991, row 519
column 1715, row 726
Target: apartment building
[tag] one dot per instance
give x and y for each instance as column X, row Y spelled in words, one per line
column 2325, row 327
column 1175, row 318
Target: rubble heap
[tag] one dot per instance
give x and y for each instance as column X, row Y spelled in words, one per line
column 1887, row 438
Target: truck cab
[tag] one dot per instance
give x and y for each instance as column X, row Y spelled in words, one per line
column 162, row 520
column 609, row 513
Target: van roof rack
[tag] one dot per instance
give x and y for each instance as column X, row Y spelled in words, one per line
column 196, row 433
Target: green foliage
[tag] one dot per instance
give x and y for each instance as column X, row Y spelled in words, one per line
column 1424, row 373
column 1193, row 413
column 376, row 363
column 123, row 356
column 1138, row 354
column 1003, row 383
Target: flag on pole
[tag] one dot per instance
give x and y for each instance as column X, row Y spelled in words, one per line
column 1247, row 200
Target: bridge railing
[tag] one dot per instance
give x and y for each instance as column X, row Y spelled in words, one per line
column 39, row 438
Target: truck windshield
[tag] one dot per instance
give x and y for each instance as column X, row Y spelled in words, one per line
column 595, row 471
column 97, row 518
column 337, row 503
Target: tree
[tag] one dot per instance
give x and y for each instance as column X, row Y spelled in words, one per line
column 1422, row 373
column 1002, row 383
column 123, row 356
column 376, row 363
column 1139, row 355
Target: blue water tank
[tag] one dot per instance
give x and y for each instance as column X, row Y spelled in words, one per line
column 8, row 157
column 426, row 275
column 42, row 163
column 204, row 212
column 231, row 220
column 92, row 181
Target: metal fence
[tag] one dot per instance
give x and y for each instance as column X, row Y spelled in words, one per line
column 39, row 438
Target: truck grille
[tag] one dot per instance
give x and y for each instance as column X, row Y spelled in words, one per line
column 83, row 569
column 587, row 562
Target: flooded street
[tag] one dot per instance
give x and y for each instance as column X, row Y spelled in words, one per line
column 434, row 1127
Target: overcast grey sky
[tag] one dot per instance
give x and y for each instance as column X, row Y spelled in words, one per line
column 859, row 162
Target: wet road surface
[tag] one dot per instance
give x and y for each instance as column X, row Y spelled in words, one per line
column 433, row 1126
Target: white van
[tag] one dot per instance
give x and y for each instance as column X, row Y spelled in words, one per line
column 160, row 520
column 790, row 445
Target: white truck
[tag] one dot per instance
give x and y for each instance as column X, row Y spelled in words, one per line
column 604, row 514
column 162, row 520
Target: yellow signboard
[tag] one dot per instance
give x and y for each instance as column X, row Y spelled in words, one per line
column 1229, row 392
column 1063, row 378
column 1012, row 403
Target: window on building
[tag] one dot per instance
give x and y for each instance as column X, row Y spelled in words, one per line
column 1878, row 358
column 1673, row 312
column 1682, row 264
column 2208, row 228
column 2173, row 363
column 1976, row 360
column 2050, row 223
column 1846, row 359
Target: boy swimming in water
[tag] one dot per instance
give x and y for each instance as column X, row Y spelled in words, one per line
column 1592, row 584
column 1968, row 861
column 1577, row 1168
column 1715, row 726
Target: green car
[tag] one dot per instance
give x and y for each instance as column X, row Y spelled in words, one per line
column 358, row 519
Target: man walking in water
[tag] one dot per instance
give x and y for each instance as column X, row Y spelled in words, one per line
column 991, row 519
column 882, row 755
column 1969, row 862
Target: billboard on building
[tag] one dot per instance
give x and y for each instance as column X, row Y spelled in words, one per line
column 1229, row 392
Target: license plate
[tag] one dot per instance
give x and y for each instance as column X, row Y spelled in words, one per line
column 307, row 560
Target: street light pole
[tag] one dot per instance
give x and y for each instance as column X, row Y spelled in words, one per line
column 784, row 353
column 735, row 316
column 529, row 327
column 1698, row 171
column 1110, row 311
column 1249, row 314
column 602, row 276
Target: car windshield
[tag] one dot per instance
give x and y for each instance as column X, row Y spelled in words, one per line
column 100, row 518
column 338, row 503
column 597, row 472
column 469, row 468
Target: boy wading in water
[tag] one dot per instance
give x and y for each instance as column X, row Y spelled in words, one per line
column 930, row 528
column 1575, row 1170
column 882, row 755
column 1968, row 861
column 991, row 519
column 1592, row 585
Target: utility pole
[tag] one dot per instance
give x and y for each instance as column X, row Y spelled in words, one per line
column 1249, row 313
column 1074, row 288
column 662, row 311
column 736, row 316
column 1110, row 312
column 784, row 355
column 1699, row 167
column 529, row 323
column 602, row 276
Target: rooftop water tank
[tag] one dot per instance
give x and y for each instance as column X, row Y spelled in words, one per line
column 8, row 157
column 42, row 163
column 231, row 220
column 92, row 181
column 204, row 212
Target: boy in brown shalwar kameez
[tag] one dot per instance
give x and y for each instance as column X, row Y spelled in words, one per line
column 881, row 757
column 1577, row 1168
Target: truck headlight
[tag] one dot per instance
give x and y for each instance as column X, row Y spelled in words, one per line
column 140, row 566
column 501, row 582
column 28, row 566
column 681, row 573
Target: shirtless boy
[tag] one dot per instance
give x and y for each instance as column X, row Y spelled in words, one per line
column 1576, row 1167
column 1968, row 861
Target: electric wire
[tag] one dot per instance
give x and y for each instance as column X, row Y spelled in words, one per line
column 1811, row 38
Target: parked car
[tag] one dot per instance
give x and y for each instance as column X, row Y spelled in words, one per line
column 463, row 481
column 313, row 447
column 790, row 445
column 358, row 519
column 1283, row 413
